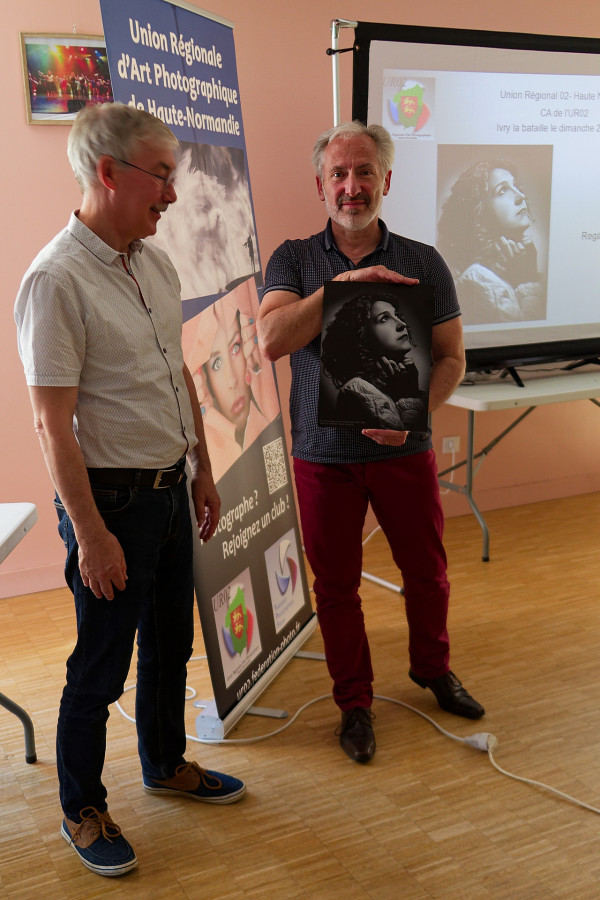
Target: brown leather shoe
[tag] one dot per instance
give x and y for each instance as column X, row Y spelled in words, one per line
column 99, row 843
column 451, row 695
column 356, row 733
column 191, row 780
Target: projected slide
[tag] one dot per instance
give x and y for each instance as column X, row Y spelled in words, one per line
column 496, row 164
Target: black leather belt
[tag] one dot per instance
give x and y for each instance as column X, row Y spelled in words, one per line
column 139, row 478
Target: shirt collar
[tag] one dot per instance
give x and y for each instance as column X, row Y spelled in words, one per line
column 96, row 245
column 330, row 243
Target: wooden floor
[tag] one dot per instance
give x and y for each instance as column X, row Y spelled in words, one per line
column 427, row 818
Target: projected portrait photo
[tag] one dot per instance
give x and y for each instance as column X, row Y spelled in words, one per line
column 209, row 233
column 493, row 215
column 235, row 384
column 374, row 369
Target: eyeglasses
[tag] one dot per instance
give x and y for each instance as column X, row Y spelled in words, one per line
column 165, row 181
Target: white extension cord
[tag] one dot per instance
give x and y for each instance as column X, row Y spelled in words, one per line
column 481, row 740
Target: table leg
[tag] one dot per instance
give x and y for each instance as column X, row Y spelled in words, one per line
column 485, row 552
column 30, row 754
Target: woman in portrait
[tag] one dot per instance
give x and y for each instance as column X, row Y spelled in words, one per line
column 367, row 354
column 484, row 234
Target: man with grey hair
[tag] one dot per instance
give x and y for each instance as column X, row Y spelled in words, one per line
column 99, row 330
column 380, row 136
column 340, row 471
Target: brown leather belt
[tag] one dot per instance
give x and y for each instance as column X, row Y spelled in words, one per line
column 139, row 478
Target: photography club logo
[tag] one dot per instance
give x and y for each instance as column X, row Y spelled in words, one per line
column 407, row 107
column 288, row 569
column 239, row 624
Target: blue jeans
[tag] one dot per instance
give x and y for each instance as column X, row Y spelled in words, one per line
column 155, row 531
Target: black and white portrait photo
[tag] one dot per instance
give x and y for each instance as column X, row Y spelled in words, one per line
column 375, row 355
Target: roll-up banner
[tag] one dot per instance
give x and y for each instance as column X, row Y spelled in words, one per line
column 178, row 63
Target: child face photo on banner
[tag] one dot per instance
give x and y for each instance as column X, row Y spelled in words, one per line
column 235, row 384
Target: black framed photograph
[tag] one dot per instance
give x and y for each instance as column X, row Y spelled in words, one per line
column 376, row 355
column 63, row 73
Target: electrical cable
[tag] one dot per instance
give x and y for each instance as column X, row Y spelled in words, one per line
column 371, row 534
column 482, row 740
column 539, row 784
column 131, row 687
column 252, row 740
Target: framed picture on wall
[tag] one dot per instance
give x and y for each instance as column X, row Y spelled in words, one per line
column 63, row 73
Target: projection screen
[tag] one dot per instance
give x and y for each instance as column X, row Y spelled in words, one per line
column 497, row 140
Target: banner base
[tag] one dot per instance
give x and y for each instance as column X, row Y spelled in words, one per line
column 210, row 727
column 266, row 712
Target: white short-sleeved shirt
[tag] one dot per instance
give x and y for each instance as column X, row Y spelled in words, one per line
column 88, row 316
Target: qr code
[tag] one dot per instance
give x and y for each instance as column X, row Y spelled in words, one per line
column 275, row 465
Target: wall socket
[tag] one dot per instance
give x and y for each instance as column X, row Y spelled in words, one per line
column 451, row 444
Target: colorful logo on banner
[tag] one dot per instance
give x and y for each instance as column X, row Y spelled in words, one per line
column 288, row 568
column 239, row 624
column 407, row 108
column 285, row 584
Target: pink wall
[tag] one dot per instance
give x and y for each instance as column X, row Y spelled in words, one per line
column 285, row 85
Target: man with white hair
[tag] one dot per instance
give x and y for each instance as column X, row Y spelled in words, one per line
column 340, row 471
column 99, row 329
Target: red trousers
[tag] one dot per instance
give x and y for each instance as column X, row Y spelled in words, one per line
column 404, row 496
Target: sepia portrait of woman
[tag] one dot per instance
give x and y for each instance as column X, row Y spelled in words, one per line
column 484, row 234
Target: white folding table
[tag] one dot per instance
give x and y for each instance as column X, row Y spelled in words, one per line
column 16, row 519
column 505, row 393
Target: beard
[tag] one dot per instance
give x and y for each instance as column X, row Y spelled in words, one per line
column 353, row 219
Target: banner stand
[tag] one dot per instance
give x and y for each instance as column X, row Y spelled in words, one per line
column 177, row 62
column 207, row 725
column 210, row 727
column 308, row 654
column 267, row 713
